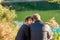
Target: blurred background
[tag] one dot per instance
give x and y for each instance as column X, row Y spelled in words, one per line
column 46, row 8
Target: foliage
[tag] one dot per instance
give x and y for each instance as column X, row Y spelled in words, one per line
column 56, row 35
column 8, row 29
column 58, row 1
column 42, row 5
column 7, row 14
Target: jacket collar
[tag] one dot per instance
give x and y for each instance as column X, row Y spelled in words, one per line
column 37, row 21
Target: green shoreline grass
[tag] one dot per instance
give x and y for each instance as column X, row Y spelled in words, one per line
column 45, row 15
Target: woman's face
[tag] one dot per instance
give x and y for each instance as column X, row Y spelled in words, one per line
column 30, row 21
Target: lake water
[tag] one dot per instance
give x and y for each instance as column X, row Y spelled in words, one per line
column 18, row 23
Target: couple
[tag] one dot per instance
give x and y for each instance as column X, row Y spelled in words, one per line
column 34, row 29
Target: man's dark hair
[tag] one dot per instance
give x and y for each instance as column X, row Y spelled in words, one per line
column 29, row 17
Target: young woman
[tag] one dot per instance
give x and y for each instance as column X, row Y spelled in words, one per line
column 24, row 31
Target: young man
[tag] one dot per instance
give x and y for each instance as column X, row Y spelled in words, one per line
column 24, row 31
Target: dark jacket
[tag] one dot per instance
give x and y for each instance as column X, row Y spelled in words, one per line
column 36, row 30
column 23, row 33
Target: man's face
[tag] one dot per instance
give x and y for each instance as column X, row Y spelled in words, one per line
column 30, row 21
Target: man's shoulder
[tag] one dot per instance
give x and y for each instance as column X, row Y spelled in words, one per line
column 24, row 26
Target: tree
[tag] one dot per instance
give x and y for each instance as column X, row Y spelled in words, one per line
column 58, row 1
column 1, row 1
column 8, row 29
